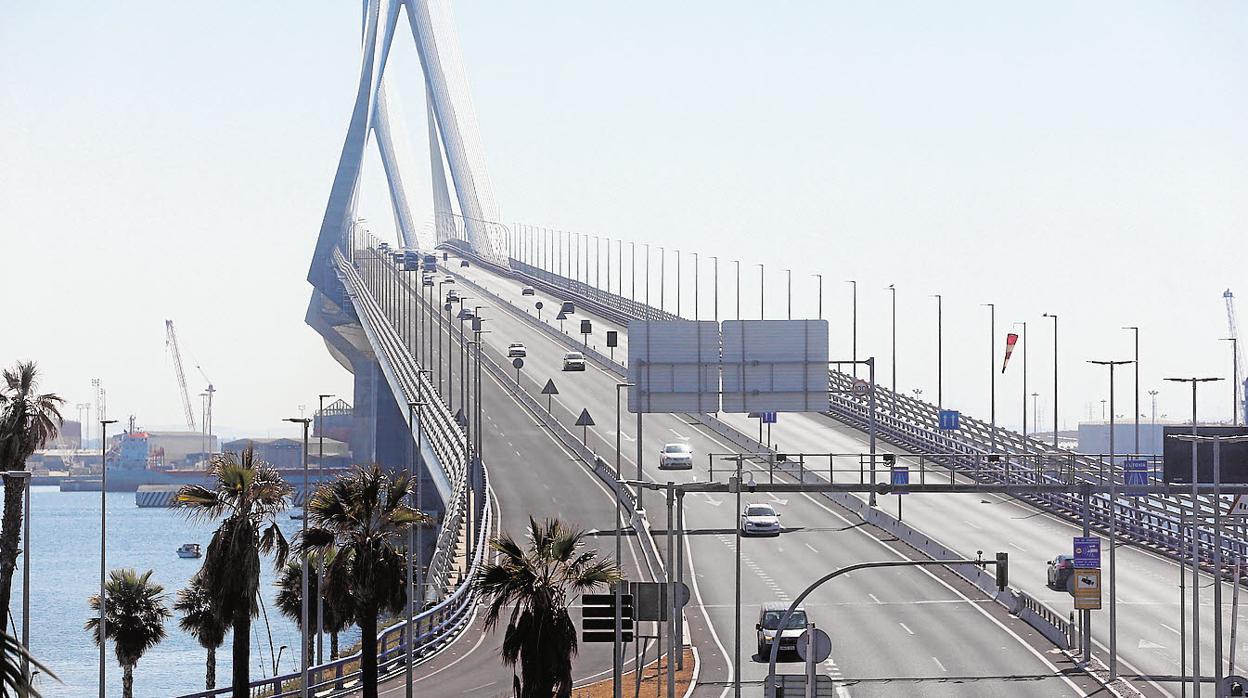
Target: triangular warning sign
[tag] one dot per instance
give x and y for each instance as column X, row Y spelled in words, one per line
column 585, row 420
column 549, row 388
column 1239, row 506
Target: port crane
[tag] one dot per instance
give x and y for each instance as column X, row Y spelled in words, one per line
column 171, row 343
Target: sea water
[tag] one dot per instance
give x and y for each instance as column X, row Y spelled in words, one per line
column 65, row 569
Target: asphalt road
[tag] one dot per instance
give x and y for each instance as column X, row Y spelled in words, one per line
column 890, row 628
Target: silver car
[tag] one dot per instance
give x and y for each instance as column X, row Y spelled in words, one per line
column 760, row 520
column 768, row 628
column 676, row 457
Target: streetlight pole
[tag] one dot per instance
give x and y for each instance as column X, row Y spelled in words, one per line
column 1113, row 527
column 940, row 343
column 1136, row 330
column 617, row 657
column 677, row 283
column 820, row 277
column 696, row 289
column 1054, row 378
column 1035, row 413
column 103, row 541
column 788, row 276
column 992, row 367
column 892, row 288
column 854, row 327
column 1024, row 347
column 303, row 626
column 320, row 466
column 1195, row 540
column 662, row 278
column 737, row 262
column 715, row 291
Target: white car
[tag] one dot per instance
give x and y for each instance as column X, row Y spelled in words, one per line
column 516, row 349
column 574, row 361
column 449, row 279
column 760, row 520
column 676, row 457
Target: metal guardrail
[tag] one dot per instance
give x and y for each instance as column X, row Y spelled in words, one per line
column 435, row 626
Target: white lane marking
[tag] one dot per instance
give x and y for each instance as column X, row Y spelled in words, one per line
column 711, row 500
column 968, row 523
column 478, row 688
column 1017, row 547
column 680, row 436
column 942, row 666
column 873, row 598
column 812, row 548
column 906, row 628
column 1176, row 632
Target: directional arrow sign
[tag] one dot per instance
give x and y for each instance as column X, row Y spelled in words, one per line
column 585, row 420
column 549, row 388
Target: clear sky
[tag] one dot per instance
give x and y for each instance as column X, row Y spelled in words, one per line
column 171, row 160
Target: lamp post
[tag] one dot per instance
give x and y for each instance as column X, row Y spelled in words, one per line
column 992, row 367
column 1153, row 395
column 413, row 546
column 892, row 289
column 678, row 283
column 662, row 278
column 1234, row 379
column 1195, row 381
column 788, row 281
column 1136, row 330
column 820, row 292
column 715, row 287
column 103, row 541
column 303, row 627
column 854, row 326
column 940, row 343
column 696, row 290
column 1113, row 527
column 617, row 656
column 737, row 262
column 1054, row 378
column 320, row 478
column 1035, row 412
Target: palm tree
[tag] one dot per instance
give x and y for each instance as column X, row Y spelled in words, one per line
column 537, row 584
column 337, row 610
column 28, row 420
column 136, row 616
column 201, row 621
column 364, row 519
column 13, row 680
column 247, row 497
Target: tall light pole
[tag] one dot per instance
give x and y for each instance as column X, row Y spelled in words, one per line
column 854, row 326
column 662, row 278
column 1234, row 376
column 1024, row 348
column 617, row 660
column 1113, row 527
column 788, row 276
column 303, row 626
column 1195, row 541
column 715, row 290
column 940, row 349
column 820, row 277
column 103, row 541
column 892, row 289
column 696, row 289
column 1035, row 413
column 1153, row 395
column 677, row 283
column 1136, row 330
column 992, row 368
column 320, row 478
column 413, row 549
column 1054, row 378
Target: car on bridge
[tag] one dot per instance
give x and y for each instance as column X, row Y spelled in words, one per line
column 1061, row 570
column 516, row 350
column 769, row 630
column 466, row 314
column 676, row 457
column 574, row 361
column 428, row 280
column 463, row 262
column 528, row 291
column 760, row 520
column 451, row 296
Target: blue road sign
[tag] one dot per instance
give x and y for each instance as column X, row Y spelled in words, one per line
column 1087, row 553
column 1135, row 475
column 899, row 474
column 769, row 417
column 949, row 419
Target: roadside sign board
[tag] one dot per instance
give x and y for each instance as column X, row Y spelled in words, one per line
column 1135, row 476
column 788, row 685
column 860, row 388
column 586, row 327
column 949, row 419
column 518, row 363
column 1087, row 589
column 899, row 474
column 1087, row 553
column 585, row 420
column 822, row 645
column 613, row 338
column 768, row 417
column 651, row 599
column 598, row 613
column 549, row 388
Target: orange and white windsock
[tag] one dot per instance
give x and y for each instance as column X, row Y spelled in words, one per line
column 1010, row 340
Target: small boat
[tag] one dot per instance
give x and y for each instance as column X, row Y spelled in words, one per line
column 189, row 550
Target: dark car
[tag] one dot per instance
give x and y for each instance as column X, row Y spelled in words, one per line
column 463, row 262
column 1061, row 569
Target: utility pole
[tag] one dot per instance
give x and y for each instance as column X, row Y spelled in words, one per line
column 1054, row 378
